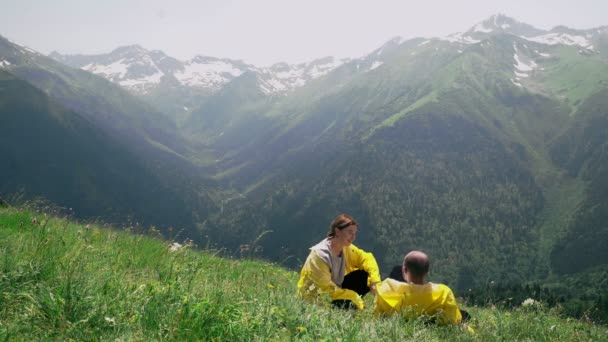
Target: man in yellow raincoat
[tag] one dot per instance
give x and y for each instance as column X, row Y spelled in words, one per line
column 338, row 268
column 417, row 297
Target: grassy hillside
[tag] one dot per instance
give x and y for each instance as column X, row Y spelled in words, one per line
column 62, row 280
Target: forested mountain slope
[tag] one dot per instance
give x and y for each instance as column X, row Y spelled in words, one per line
column 152, row 182
column 55, row 153
column 583, row 151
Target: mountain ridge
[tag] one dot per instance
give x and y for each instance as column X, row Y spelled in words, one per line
column 181, row 87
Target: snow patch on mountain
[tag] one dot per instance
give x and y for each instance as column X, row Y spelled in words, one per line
column 516, row 83
column 27, row 49
column 212, row 74
column 460, row 38
column 481, row 27
column 375, row 65
column 281, row 77
column 294, row 74
column 114, row 72
column 143, row 83
column 272, row 85
column 522, row 67
column 4, row 64
column 555, row 38
column 325, row 68
column 542, row 54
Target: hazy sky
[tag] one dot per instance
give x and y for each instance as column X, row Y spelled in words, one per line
column 266, row 31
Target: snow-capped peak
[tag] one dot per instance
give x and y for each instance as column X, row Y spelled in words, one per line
column 133, row 67
column 501, row 24
column 496, row 22
column 281, row 77
column 208, row 72
column 140, row 70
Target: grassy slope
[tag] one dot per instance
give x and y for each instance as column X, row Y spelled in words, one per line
column 571, row 77
column 62, row 280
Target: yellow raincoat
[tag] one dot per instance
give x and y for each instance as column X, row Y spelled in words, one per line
column 414, row 300
column 315, row 277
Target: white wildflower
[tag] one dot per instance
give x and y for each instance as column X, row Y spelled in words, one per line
column 175, row 247
column 530, row 302
column 110, row 320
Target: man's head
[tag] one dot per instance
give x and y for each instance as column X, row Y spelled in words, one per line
column 415, row 267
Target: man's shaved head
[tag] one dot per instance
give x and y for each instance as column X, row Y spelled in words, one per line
column 416, row 263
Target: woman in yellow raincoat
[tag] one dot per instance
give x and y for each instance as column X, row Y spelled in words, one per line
column 337, row 268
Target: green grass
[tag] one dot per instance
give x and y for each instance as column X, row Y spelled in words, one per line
column 391, row 120
column 573, row 77
column 63, row 281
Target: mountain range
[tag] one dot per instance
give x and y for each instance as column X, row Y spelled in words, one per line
column 485, row 148
column 177, row 86
column 146, row 73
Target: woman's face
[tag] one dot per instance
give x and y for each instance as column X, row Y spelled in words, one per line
column 347, row 235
